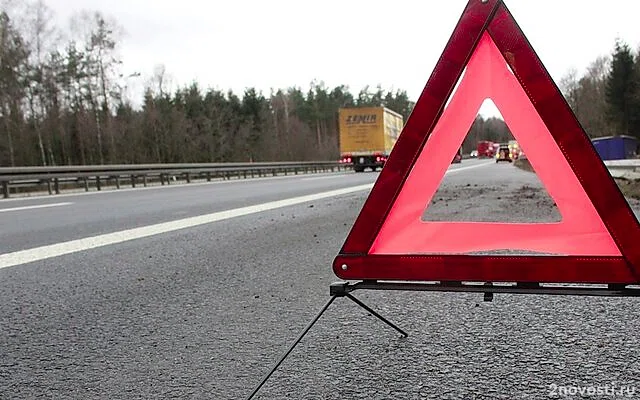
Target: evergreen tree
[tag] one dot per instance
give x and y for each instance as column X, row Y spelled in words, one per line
column 621, row 87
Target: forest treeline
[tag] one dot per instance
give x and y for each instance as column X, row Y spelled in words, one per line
column 605, row 98
column 63, row 101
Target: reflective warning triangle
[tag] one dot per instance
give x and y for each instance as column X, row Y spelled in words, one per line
column 598, row 239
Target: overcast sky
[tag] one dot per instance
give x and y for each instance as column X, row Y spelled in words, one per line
column 235, row 44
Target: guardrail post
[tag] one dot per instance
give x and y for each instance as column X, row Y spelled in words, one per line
column 208, row 176
column 56, row 185
column 86, row 184
column 5, row 189
column 117, row 181
column 188, row 177
column 133, row 181
column 49, row 186
column 98, row 186
column 144, row 180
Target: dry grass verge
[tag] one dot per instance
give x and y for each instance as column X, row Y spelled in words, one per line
column 630, row 188
column 523, row 164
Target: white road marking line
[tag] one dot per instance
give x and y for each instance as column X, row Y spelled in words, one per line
column 469, row 167
column 316, row 178
column 453, row 169
column 58, row 249
column 34, row 207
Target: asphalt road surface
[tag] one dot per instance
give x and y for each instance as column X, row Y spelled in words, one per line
column 194, row 291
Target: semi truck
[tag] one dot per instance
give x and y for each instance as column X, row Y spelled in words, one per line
column 367, row 136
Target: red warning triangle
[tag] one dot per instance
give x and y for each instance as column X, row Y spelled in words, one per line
column 581, row 231
column 597, row 239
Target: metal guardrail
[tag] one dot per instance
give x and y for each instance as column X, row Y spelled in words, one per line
column 53, row 178
column 98, row 175
column 624, row 169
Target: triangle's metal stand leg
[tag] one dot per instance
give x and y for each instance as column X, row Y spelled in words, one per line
column 337, row 290
column 380, row 317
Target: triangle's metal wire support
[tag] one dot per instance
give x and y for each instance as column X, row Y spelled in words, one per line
column 339, row 289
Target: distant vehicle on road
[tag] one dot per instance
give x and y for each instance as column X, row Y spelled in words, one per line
column 514, row 149
column 504, row 153
column 458, row 157
column 473, row 154
column 367, row 136
column 485, row 149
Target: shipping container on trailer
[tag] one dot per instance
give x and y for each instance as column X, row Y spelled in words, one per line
column 367, row 136
column 616, row 147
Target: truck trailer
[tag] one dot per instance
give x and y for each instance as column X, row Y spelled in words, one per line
column 616, row 147
column 367, row 136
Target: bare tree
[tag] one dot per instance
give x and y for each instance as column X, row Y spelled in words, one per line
column 159, row 80
column 41, row 39
column 570, row 87
column 586, row 96
column 13, row 60
column 99, row 35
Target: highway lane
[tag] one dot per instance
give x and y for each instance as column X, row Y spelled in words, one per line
column 112, row 211
column 32, row 222
column 204, row 312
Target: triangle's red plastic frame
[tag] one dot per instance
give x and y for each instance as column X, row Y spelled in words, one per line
column 492, row 17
